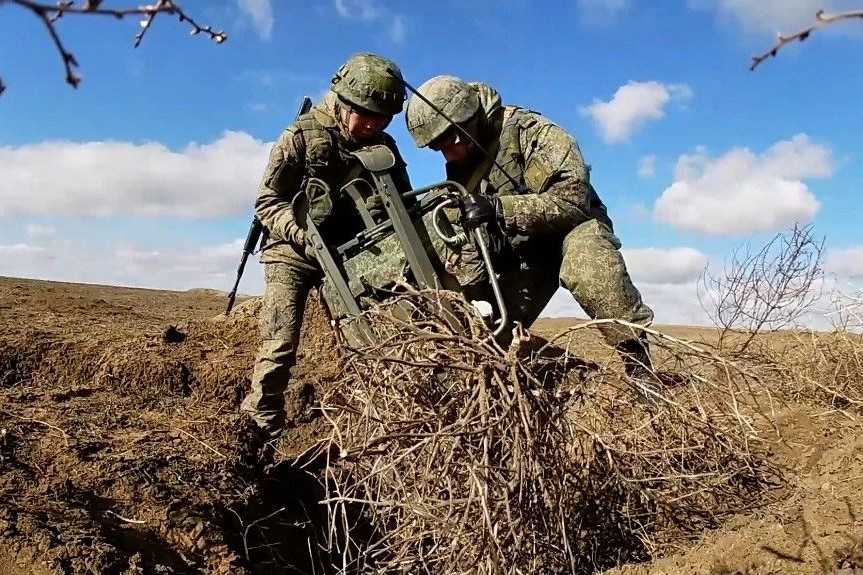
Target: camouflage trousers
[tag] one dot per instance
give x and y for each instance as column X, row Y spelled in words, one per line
column 287, row 289
column 589, row 264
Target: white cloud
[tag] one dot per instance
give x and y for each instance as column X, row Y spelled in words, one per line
column 667, row 280
column 372, row 11
column 25, row 260
column 741, row 192
column 258, row 107
column 562, row 304
column 39, row 231
column 647, row 167
column 23, row 250
column 365, row 10
column 664, row 266
column 846, row 262
column 110, row 178
column 773, row 16
column 137, row 264
column 601, row 11
column 398, row 30
column 675, row 304
column 261, row 13
column 632, row 106
column 196, row 266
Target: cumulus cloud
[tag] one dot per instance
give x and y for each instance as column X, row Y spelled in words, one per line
column 25, row 259
column 741, row 192
column 664, row 266
column 23, row 250
column 196, row 266
column 647, row 167
column 398, row 30
column 112, row 178
column 365, row 10
column 372, row 11
column 39, row 231
column 667, row 280
column 846, row 262
column 773, row 16
column 261, row 14
column 601, row 11
column 675, row 304
column 632, row 106
column 136, row 263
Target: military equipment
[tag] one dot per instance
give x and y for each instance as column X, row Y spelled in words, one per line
column 256, row 235
column 408, row 241
column 370, row 82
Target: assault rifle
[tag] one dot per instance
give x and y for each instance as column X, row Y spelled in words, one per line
column 256, row 237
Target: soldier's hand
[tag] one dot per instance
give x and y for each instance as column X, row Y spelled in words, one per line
column 480, row 209
column 375, row 206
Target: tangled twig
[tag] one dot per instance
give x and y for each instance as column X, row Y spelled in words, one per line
column 49, row 14
column 822, row 18
column 40, row 422
column 531, row 461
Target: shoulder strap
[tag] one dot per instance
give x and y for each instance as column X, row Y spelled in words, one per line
column 318, row 143
column 511, row 118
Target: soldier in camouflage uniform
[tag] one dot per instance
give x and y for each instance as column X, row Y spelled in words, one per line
column 315, row 149
column 558, row 227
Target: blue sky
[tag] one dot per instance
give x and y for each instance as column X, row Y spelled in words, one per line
column 146, row 174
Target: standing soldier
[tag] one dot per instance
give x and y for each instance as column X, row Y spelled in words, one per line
column 539, row 194
column 312, row 156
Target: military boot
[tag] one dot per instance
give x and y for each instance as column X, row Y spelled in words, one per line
column 635, row 353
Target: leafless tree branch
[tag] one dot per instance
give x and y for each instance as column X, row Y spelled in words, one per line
column 49, row 14
column 766, row 288
column 822, row 18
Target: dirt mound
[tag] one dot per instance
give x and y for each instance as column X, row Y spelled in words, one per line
column 121, row 447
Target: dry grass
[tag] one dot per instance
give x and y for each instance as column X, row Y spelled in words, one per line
column 449, row 454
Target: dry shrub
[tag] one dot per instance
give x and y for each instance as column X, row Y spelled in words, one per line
column 763, row 289
column 449, row 454
column 758, row 299
column 823, row 366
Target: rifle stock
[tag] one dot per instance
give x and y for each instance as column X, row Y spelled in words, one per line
column 255, row 230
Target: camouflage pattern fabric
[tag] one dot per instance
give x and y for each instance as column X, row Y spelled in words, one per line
column 452, row 96
column 287, row 289
column 589, row 265
column 315, row 146
column 552, row 204
column 371, row 82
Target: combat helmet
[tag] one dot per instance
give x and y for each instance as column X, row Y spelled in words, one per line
column 371, row 82
column 453, row 96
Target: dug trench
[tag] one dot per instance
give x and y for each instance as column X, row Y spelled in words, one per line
column 121, row 446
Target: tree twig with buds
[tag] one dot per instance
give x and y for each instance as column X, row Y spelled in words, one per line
column 822, row 18
column 50, row 13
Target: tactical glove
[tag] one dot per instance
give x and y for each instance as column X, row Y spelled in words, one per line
column 479, row 209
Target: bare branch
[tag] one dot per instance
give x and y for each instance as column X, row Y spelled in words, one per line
column 767, row 288
column 50, row 13
column 822, row 18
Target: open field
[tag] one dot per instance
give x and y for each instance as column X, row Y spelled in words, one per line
column 122, row 451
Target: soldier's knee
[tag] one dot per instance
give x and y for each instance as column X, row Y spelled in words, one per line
column 592, row 234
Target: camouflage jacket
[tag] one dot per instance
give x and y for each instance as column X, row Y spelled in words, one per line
column 556, row 194
column 317, row 146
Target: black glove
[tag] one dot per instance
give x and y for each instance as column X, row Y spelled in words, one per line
column 478, row 210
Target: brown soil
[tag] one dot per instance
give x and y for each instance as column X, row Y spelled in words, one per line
column 122, row 450
column 121, row 447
